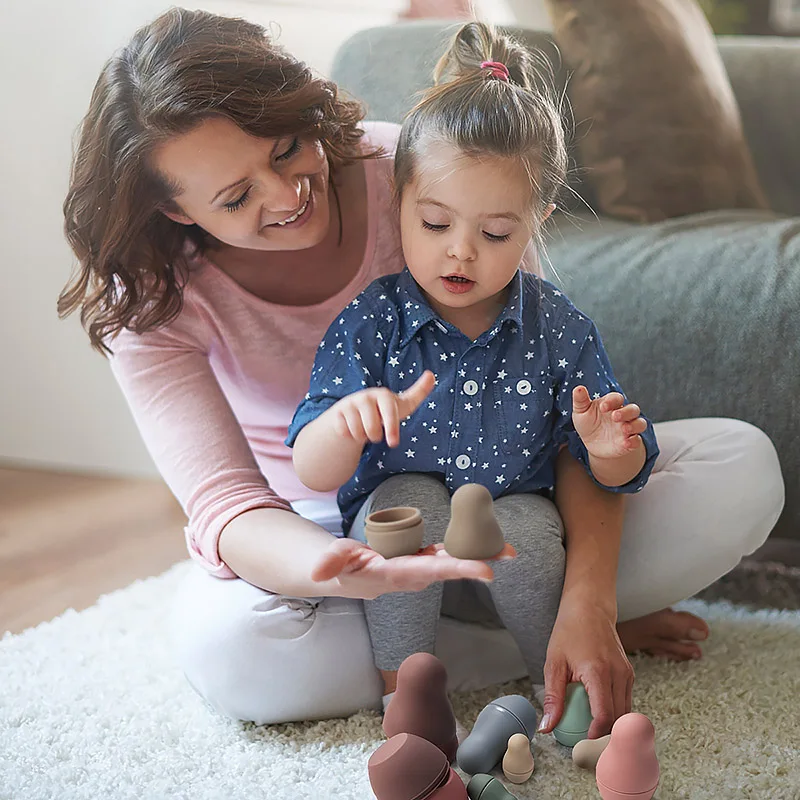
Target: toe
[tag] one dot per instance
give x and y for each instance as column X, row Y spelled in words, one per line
column 675, row 651
column 684, row 625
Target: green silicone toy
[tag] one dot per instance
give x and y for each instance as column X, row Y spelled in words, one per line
column 485, row 787
column 574, row 723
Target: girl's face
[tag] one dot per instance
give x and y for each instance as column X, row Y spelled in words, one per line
column 258, row 194
column 465, row 223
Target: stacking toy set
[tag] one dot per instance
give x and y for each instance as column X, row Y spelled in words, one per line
column 415, row 761
column 473, row 531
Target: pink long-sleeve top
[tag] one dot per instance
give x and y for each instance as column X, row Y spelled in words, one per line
column 213, row 392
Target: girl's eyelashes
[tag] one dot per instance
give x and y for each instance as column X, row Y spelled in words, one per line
column 238, row 203
column 495, row 237
column 287, row 154
column 492, row 237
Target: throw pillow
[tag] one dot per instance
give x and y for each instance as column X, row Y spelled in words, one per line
column 659, row 131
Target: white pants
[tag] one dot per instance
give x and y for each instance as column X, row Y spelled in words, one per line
column 714, row 495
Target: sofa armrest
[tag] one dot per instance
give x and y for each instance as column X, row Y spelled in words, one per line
column 765, row 75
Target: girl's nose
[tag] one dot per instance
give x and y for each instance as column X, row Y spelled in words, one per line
column 462, row 249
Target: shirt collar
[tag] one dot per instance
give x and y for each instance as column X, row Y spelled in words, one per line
column 415, row 312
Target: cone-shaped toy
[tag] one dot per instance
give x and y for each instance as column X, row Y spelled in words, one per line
column 473, row 531
column 628, row 768
column 420, row 704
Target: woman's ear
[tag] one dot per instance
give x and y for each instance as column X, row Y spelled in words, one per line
column 176, row 216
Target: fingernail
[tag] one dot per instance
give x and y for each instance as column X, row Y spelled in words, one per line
column 697, row 633
column 544, row 723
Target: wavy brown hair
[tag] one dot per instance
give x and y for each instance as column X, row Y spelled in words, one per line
column 177, row 71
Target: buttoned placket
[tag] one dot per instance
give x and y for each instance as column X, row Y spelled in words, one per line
column 468, row 390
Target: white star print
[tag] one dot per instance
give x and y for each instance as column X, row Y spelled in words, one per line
column 409, row 454
column 562, row 363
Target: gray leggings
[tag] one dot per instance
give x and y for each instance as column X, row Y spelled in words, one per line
column 523, row 597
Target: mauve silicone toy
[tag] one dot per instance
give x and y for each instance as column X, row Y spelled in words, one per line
column 408, row 767
column 473, row 531
column 420, row 704
column 486, row 745
column 628, row 768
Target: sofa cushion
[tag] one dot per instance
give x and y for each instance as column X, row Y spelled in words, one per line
column 699, row 316
column 663, row 136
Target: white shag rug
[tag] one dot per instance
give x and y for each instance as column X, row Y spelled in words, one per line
column 92, row 706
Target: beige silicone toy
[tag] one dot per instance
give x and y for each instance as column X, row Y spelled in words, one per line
column 395, row 531
column 587, row 751
column 518, row 760
column 473, row 531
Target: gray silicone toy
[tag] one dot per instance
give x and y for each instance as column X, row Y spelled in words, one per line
column 486, row 745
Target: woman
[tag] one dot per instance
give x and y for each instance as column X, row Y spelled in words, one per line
column 224, row 203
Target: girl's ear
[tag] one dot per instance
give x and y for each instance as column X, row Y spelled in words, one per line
column 176, row 216
column 548, row 211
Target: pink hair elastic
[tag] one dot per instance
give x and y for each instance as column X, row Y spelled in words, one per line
column 497, row 69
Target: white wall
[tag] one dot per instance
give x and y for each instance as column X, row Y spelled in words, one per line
column 59, row 405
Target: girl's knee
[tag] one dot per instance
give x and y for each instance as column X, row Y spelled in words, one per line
column 528, row 518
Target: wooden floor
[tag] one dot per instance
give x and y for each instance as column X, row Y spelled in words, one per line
column 66, row 539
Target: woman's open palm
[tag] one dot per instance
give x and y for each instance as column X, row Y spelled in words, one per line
column 365, row 573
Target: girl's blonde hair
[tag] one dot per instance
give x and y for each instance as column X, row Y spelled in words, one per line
column 480, row 112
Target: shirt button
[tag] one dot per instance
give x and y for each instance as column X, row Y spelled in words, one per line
column 462, row 462
column 523, row 387
column 471, row 387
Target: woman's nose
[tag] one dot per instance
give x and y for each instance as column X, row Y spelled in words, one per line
column 283, row 194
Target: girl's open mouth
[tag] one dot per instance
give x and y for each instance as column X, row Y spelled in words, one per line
column 457, row 284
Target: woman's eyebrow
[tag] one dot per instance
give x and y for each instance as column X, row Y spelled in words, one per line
column 428, row 201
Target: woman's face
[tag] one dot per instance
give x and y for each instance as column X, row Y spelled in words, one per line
column 257, row 194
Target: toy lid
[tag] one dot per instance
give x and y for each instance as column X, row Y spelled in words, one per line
column 577, row 716
column 477, row 784
column 629, row 764
column 520, row 708
column 407, row 767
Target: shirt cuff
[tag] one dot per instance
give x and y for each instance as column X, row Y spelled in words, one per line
column 307, row 412
column 203, row 540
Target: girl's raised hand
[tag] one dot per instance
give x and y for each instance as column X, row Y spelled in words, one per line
column 607, row 426
column 371, row 414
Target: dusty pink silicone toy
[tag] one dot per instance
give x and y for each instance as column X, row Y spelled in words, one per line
column 420, row 704
column 628, row 768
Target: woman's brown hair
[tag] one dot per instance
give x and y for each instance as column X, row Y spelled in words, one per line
column 179, row 70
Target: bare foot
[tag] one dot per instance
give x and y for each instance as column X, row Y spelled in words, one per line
column 665, row 633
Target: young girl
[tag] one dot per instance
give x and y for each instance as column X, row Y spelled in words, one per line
column 465, row 368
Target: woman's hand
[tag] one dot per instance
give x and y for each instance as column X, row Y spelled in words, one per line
column 368, row 415
column 362, row 572
column 607, row 426
column 584, row 647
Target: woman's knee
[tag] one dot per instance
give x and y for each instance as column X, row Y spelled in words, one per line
column 256, row 656
column 756, row 475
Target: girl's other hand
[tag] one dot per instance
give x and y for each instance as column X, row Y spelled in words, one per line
column 371, row 414
column 607, row 426
column 362, row 572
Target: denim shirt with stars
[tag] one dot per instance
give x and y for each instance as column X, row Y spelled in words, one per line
column 501, row 406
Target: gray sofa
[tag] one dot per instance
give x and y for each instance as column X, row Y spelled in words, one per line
column 700, row 314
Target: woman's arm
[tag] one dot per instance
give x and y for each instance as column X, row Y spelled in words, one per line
column 593, row 527
column 584, row 645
